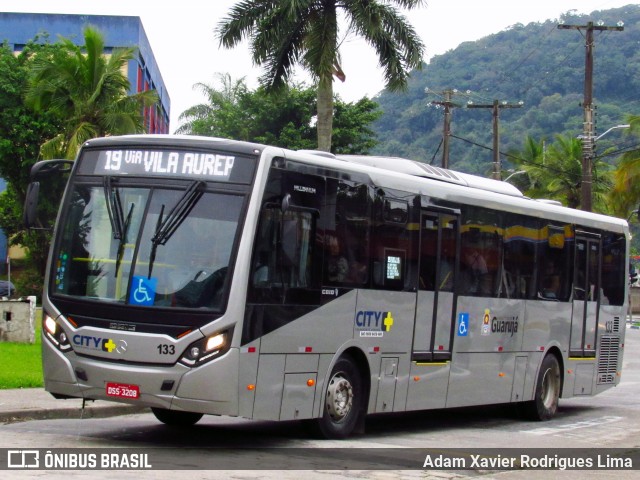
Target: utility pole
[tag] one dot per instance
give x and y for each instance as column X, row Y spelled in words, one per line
column 496, row 106
column 446, row 133
column 588, row 130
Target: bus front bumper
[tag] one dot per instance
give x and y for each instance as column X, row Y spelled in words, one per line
column 205, row 389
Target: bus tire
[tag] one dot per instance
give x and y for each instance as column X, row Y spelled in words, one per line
column 548, row 385
column 343, row 400
column 176, row 418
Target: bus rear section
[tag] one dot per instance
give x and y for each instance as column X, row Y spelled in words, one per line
column 371, row 297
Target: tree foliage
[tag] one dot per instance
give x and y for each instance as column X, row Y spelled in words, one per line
column 22, row 131
column 554, row 172
column 308, row 33
column 626, row 190
column 284, row 118
column 87, row 89
column 538, row 64
column 53, row 97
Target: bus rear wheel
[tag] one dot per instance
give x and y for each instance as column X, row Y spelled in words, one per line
column 343, row 400
column 548, row 385
column 176, row 418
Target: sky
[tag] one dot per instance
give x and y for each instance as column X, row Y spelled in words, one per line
column 181, row 34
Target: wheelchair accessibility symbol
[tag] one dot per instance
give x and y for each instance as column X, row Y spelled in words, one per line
column 143, row 290
column 463, row 324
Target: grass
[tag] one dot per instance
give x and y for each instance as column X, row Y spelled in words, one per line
column 21, row 363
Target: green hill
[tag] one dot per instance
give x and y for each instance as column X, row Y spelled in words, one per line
column 538, row 64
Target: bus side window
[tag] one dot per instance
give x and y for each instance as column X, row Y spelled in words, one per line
column 553, row 264
column 428, row 252
column 613, row 267
column 519, row 260
column 481, row 253
column 391, row 249
column 282, row 266
column 346, row 229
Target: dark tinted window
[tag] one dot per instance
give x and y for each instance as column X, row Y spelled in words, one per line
column 481, row 253
column 554, row 262
column 613, row 269
column 346, row 233
column 520, row 240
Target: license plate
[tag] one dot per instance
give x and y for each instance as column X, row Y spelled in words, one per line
column 123, row 391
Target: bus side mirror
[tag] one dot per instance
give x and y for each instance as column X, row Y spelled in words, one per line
column 51, row 171
column 44, row 168
column 30, row 212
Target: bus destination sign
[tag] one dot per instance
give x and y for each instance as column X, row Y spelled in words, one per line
column 204, row 165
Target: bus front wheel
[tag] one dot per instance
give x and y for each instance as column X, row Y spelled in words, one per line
column 343, row 397
column 548, row 386
column 176, row 418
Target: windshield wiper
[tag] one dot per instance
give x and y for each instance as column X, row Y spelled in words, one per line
column 119, row 226
column 166, row 227
column 114, row 208
column 123, row 240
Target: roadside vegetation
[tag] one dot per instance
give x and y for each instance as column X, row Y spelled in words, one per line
column 22, row 362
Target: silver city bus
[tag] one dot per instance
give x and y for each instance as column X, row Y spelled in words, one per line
column 208, row 276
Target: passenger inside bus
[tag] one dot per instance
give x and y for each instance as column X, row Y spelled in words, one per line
column 343, row 266
column 337, row 265
column 475, row 274
column 550, row 282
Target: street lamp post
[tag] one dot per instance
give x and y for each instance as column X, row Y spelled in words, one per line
column 514, row 174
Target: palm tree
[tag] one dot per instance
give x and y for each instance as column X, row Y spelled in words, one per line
column 199, row 119
column 556, row 172
column 306, row 32
column 88, row 90
column 626, row 190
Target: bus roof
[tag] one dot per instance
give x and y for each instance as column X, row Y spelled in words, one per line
column 419, row 169
column 162, row 140
column 493, row 191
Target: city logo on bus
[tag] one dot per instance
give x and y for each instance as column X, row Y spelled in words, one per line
column 373, row 323
column 499, row 324
column 504, row 325
column 98, row 343
column 486, row 319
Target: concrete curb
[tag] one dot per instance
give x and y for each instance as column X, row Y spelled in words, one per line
column 102, row 410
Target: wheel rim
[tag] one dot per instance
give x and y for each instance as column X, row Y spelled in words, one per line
column 339, row 397
column 550, row 387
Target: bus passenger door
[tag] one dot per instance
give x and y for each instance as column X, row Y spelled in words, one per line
column 586, row 289
column 432, row 335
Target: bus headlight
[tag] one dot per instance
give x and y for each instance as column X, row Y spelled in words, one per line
column 206, row 349
column 55, row 334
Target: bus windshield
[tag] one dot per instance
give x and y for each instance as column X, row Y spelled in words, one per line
column 155, row 247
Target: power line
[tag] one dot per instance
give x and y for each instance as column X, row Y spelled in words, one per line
column 448, row 105
column 525, row 161
column 495, row 107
